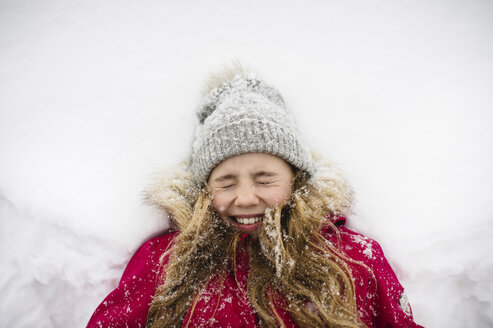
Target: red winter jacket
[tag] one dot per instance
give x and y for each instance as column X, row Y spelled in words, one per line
column 380, row 301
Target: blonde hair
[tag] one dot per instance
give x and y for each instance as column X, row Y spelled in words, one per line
column 290, row 257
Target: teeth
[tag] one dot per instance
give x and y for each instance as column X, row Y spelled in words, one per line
column 249, row 220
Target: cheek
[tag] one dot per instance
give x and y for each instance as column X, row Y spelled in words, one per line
column 279, row 196
column 286, row 195
column 219, row 204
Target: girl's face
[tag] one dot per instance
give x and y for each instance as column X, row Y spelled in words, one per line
column 244, row 186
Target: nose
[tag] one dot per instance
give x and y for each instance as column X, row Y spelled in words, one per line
column 246, row 196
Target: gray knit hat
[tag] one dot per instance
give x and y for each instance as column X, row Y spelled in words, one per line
column 245, row 115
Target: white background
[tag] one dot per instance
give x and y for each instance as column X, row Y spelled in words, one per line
column 96, row 96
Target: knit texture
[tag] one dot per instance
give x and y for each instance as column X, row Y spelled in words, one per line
column 245, row 115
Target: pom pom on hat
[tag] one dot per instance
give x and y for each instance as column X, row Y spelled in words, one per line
column 244, row 115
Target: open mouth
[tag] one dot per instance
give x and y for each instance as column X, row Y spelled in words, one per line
column 246, row 220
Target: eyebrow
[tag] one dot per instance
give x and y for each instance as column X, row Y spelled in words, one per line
column 225, row 177
column 258, row 174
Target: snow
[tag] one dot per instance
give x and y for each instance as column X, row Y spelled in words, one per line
column 95, row 97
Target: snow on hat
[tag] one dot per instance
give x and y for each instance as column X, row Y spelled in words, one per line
column 245, row 115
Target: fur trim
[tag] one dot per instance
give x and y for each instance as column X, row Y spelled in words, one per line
column 175, row 192
column 331, row 183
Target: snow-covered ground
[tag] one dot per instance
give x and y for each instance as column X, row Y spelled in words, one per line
column 96, row 96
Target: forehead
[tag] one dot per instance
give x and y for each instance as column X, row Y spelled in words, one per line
column 251, row 162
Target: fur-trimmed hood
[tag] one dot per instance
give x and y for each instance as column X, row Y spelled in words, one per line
column 175, row 191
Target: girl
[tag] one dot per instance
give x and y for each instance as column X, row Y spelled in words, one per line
column 259, row 237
